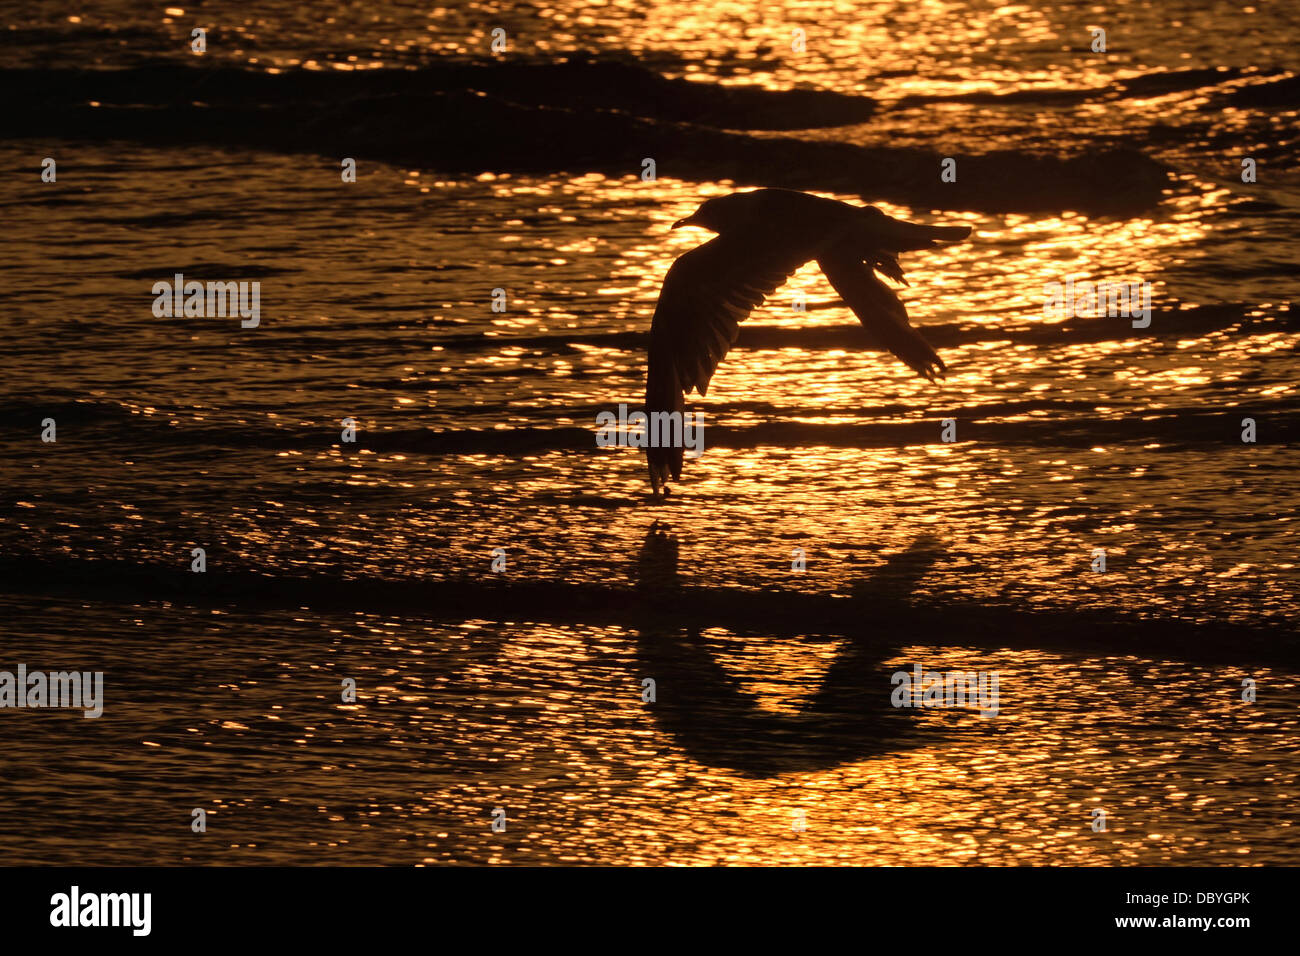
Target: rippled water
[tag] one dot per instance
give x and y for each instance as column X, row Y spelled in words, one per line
column 239, row 713
column 476, row 432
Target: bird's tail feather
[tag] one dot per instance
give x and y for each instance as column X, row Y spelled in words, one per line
column 900, row 236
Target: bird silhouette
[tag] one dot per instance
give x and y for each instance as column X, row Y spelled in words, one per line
column 764, row 236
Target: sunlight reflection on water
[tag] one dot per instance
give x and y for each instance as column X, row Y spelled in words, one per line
column 1068, row 439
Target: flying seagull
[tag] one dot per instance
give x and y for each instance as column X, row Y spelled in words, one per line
column 764, row 236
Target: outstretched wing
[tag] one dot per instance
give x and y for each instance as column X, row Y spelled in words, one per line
column 707, row 293
column 879, row 309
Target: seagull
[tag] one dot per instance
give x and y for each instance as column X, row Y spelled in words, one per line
column 763, row 237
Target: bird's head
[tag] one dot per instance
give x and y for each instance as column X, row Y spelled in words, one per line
column 721, row 213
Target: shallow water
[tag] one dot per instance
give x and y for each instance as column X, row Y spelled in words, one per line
column 476, row 432
column 239, row 714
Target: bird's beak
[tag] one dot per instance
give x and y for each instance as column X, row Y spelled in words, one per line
column 688, row 221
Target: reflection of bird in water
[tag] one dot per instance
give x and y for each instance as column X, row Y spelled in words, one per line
column 763, row 237
column 709, row 713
